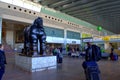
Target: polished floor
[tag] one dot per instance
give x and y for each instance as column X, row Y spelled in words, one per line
column 70, row 69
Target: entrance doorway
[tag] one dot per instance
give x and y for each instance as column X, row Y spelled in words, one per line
column 12, row 33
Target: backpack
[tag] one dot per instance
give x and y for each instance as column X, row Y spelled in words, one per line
column 96, row 53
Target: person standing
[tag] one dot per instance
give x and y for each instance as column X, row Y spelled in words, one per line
column 2, row 61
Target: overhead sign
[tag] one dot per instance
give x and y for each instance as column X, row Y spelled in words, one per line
column 115, row 37
column 74, row 42
column 87, row 40
column 85, row 35
column 107, row 38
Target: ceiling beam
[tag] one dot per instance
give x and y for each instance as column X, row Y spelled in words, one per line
column 84, row 5
column 107, row 12
column 103, row 21
column 98, row 8
column 60, row 3
column 48, row 2
column 107, row 23
column 77, row 2
column 35, row 0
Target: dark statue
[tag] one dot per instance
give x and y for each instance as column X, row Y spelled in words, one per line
column 34, row 39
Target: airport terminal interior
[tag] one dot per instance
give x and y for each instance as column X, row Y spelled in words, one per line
column 68, row 25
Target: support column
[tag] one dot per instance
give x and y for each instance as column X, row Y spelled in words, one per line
column 0, row 30
column 80, row 46
column 10, row 35
column 65, row 41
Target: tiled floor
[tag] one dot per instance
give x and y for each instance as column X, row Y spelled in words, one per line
column 70, row 69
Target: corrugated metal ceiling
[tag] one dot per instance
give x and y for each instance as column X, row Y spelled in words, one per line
column 105, row 13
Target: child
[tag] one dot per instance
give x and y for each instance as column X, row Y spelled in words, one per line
column 2, row 61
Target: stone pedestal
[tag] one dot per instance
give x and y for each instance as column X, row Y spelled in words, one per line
column 33, row 64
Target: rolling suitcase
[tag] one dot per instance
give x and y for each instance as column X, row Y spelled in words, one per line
column 91, row 70
column 59, row 58
column 114, row 57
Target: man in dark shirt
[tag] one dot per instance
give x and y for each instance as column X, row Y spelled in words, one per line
column 2, row 61
column 91, row 57
column 88, row 56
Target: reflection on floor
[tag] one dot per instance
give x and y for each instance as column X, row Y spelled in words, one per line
column 70, row 69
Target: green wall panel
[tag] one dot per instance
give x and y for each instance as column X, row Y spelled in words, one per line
column 54, row 32
column 66, row 17
column 73, row 35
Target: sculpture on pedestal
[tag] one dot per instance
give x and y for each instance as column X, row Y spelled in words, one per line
column 34, row 39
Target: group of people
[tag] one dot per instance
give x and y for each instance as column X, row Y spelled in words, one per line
column 73, row 50
column 89, row 56
column 55, row 51
column 50, row 50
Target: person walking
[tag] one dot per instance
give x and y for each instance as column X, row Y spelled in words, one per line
column 93, row 54
column 2, row 61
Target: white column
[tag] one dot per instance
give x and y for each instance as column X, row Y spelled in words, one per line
column 81, row 41
column 65, row 36
column 65, row 41
column 10, row 35
column 0, row 29
column 80, row 46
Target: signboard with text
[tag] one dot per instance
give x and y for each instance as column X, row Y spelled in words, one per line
column 107, row 38
column 85, row 35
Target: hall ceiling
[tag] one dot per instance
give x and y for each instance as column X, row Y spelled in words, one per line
column 105, row 13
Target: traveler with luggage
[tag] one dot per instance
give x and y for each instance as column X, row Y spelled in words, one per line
column 113, row 56
column 93, row 54
column 58, row 55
